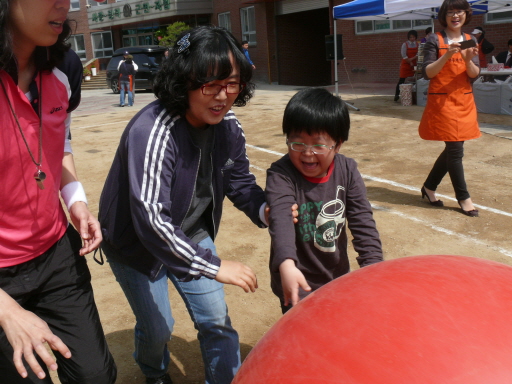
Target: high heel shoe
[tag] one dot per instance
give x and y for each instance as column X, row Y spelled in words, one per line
column 437, row 203
column 472, row 213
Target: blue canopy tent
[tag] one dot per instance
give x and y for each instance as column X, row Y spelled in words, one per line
column 404, row 10
column 409, row 9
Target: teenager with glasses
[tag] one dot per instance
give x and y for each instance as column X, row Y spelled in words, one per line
column 161, row 206
column 450, row 114
column 46, row 297
column 330, row 194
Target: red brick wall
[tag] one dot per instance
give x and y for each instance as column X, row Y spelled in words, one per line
column 80, row 26
column 290, row 48
column 264, row 21
column 379, row 54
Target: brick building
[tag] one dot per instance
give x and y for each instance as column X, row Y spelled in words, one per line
column 103, row 27
column 286, row 37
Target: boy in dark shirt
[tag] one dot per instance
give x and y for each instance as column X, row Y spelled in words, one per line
column 330, row 193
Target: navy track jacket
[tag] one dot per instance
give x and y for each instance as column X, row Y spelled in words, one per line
column 150, row 186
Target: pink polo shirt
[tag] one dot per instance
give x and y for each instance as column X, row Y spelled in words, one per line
column 31, row 219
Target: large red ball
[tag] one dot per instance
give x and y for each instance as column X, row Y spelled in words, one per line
column 414, row 320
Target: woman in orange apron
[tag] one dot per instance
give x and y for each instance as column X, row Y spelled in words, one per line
column 450, row 114
column 409, row 56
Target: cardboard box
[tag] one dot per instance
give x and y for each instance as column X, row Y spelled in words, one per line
column 422, row 92
column 495, row 67
column 487, row 97
column 506, row 98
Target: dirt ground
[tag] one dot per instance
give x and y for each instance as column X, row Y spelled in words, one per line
column 394, row 162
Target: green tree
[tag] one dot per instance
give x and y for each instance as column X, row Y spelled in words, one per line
column 170, row 35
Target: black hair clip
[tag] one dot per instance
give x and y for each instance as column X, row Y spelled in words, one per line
column 183, row 43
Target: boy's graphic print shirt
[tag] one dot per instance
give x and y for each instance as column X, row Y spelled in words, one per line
column 318, row 242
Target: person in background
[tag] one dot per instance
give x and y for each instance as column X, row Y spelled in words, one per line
column 409, row 52
column 46, row 297
column 126, row 80
column 161, row 205
column 505, row 57
column 450, row 114
column 125, row 56
column 245, row 47
column 331, row 196
column 484, row 46
column 428, row 31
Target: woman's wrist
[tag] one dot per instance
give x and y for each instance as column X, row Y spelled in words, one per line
column 73, row 192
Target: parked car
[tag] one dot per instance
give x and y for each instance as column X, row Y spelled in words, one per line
column 147, row 57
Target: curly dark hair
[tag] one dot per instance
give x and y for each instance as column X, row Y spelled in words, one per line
column 56, row 51
column 206, row 59
column 447, row 5
column 316, row 110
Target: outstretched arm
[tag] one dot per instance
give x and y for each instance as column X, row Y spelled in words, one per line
column 27, row 334
column 85, row 223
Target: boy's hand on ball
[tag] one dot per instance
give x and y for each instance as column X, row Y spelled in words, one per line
column 291, row 279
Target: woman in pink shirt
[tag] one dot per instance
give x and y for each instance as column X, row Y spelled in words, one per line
column 46, row 296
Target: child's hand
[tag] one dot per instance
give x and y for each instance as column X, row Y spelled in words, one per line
column 291, row 279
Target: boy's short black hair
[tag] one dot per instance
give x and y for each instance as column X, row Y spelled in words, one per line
column 316, row 110
column 428, row 30
column 412, row 32
column 206, row 58
column 245, row 42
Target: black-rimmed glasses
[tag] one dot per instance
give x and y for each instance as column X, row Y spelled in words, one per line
column 317, row 149
column 214, row 89
column 455, row 13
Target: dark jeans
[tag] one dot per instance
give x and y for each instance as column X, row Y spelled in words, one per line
column 56, row 286
column 450, row 161
column 397, row 91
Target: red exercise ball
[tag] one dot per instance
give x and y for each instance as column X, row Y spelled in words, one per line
column 414, row 320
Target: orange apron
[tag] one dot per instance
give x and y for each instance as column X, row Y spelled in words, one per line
column 481, row 55
column 450, row 114
column 130, row 79
column 407, row 69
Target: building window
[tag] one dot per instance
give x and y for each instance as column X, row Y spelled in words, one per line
column 102, row 44
column 75, row 5
column 225, row 20
column 95, row 3
column 78, row 45
column 499, row 17
column 139, row 36
column 378, row 26
column 248, row 19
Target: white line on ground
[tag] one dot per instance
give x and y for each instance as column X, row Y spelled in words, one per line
column 399, row 185
column 444, row 230
column 256, row 167
column 101, row 125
